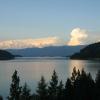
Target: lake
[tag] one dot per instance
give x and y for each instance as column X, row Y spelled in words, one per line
column 30, row 70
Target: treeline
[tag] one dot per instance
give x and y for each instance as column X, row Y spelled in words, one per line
column 80, row 86
column 91, row 51
column 5, row 55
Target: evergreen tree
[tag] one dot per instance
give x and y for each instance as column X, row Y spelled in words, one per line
column 68, row 91
column 78, row 73
column 53, row 86
column 83, row 86
column 1, row 98
column 74, row 75
column 42, row 89
column 60, row 91
column 15, row 89
column 97, row 86
column 25, row 95
column 91, row 87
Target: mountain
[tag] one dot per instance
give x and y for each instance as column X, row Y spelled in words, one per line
column 5, row 55
column 91, row 51
column 50, row 51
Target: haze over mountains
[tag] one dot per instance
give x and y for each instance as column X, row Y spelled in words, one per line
column 49, row 51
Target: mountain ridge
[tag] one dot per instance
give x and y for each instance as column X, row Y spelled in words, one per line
column 91, row 51
column 5, row 55
column 51, row 51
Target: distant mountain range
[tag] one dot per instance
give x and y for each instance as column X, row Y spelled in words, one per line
column 50, row 51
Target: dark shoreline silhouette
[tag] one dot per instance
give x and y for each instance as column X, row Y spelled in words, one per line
column 90, row 52
column 5, row 55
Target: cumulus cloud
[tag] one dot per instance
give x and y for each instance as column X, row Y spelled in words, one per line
column 25, row 43
column 78, row 36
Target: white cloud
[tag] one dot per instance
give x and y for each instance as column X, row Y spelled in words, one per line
column 25, row 43
column 78, row 36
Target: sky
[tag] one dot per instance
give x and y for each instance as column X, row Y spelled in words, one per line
column 66, row 22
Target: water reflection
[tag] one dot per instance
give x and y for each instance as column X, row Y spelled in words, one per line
column 30, row 71
column 79, row 64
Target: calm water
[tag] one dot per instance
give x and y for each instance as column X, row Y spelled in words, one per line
column 30, row 70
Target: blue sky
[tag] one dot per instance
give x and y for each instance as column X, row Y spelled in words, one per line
column 21, row 19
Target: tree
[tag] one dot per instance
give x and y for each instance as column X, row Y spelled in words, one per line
column 97, row 86
column 97, row 80
column 74, row 75
column 42, row 89
column 68, row 91
column 83, row 86
column 53, row 86
column 60, row 91
column 1, row 98
column 15, row 89
column 25, row 94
